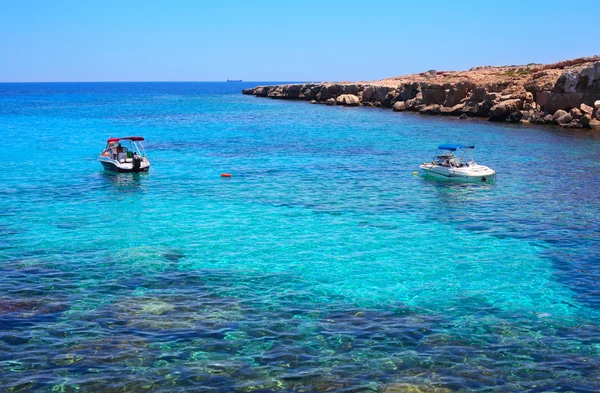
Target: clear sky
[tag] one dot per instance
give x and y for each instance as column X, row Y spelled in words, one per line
column 196, row 40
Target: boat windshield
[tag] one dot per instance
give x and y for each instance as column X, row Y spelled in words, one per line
column 123, row 149
column 450, row 158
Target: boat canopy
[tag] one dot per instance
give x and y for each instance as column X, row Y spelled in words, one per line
column 454, row 146
column 126, row 138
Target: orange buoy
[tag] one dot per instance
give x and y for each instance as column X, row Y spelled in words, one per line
column 225, row 174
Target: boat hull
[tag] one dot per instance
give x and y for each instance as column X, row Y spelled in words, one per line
column 112, row 165
column 475, row 174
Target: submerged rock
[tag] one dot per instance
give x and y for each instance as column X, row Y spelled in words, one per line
column 403, row 387
column 173, row 255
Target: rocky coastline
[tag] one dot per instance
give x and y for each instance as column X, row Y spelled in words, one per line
column 565, row 93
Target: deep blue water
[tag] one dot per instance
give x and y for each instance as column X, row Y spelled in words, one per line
column 323, row 264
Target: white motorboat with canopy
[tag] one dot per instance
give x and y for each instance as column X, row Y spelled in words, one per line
column 455, row 162
column 129, row 158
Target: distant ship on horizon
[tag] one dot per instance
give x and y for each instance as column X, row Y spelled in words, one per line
column 233, row 80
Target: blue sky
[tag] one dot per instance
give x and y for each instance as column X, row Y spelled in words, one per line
column 187, row 40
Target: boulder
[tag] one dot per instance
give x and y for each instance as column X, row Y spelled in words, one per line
column 597, row 104
column 549, row 119
column 586, row 109
column 330, row 101
column 594, row 124
column 585, row 120
column 528, row 106
column 527, row 116
column 558, row 114
column 575, row 113
column 515, row 117
column 348, row 99
column 537, row 118
column 529, row 97
column 564, row 120
column 452, row 111
column 573, row 124
column 500, row 111
column 313, row 101
column 596, row 114
column 413, row 103
column 399, row 106
column 431, row 109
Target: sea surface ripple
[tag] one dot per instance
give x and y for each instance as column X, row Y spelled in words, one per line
column 323, row 264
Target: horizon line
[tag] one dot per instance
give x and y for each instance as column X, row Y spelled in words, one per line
column 166, row 81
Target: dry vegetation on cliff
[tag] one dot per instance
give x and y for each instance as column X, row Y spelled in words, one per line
column 566, row 93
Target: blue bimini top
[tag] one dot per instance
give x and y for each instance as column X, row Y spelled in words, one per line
column 454, row 146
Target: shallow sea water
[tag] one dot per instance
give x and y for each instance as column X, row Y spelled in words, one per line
column 323, row 264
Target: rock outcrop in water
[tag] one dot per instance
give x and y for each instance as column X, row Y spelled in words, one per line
column 565, row 93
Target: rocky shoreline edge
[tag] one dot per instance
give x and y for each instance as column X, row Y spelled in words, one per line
column 565, row 93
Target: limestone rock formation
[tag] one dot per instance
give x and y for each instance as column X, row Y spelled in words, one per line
column 538, row 94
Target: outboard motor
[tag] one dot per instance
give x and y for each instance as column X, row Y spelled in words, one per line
column 137, row 163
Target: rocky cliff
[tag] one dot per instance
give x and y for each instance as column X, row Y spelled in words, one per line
column 565, row 93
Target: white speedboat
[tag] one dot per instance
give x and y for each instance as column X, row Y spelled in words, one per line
column 454, row 162
column 129, row 158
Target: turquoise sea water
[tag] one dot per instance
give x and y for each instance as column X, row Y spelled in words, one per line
column 323, row 264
